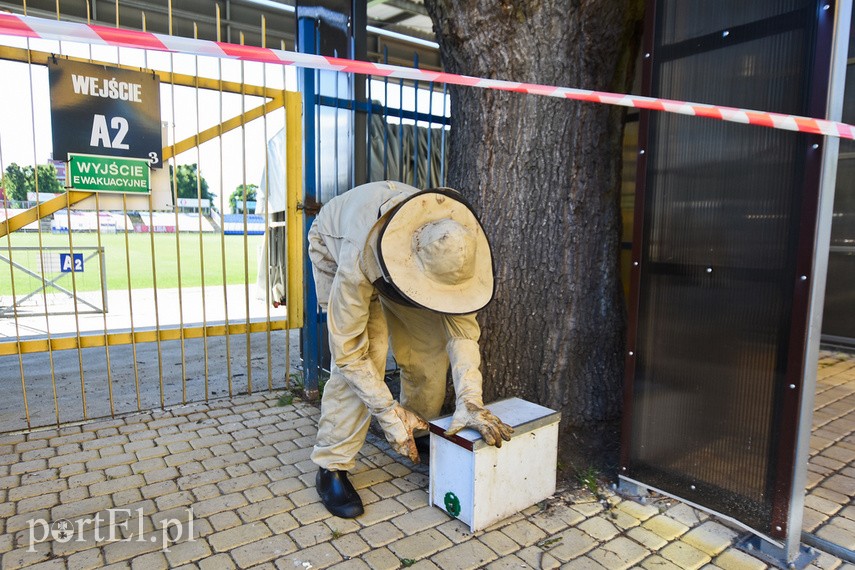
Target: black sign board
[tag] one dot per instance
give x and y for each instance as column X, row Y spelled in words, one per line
column 103, row 110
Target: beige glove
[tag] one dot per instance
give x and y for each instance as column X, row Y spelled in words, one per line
column 470, row 412
column 491, row 428
column 398, row 424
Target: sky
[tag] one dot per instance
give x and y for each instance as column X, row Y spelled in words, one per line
column 25, row 126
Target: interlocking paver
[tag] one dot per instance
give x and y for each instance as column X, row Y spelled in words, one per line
column 350, row 545
column 310, row 513
column 524, row 533
column 619, row 553
column 381, row 534
column 255, row 506
column 381, row 559
column 219, row 504
column 568, row 545
column 282, row 523
column 536, row 557
column 465, row 556
column 711, row 537
column 837, row 534
column 36, row 489
column 656, row 562
column 420, row 519
column 685, row 514
column 320, row 556
column 22, row 558
column 457, row 531
column 584, row 563
column 733, row 559
column 646, row 538
column 218, row 562
column 238, row 536
column 420, row 545
column 172, row 500
column 48, row 474
column 666, row 527
column 311, row 534
column 86, row 560
column 380, row 511
column 236, row 484
column 684, row 555
column 599, row 528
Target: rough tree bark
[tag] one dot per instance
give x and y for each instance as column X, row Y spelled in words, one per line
column 544, row 175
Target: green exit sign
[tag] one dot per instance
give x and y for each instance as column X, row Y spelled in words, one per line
column 109, row 174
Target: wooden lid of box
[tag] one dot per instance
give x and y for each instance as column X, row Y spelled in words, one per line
column 520, row 414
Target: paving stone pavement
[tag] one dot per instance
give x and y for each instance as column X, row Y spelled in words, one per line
column 829, row 511
column 234, row 478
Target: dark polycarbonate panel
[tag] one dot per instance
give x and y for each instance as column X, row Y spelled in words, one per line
column 839, row 316
column 765, row 74
column 722, row 212
column 705, row 386
column 715, row 302
column 843, row 224
column 838, row 320
column 691, row 19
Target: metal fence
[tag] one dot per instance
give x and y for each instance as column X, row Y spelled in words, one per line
column 193, row 312
column 201, row 300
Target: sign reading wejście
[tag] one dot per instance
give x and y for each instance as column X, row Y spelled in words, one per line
column 103, row 110
column 108, row 174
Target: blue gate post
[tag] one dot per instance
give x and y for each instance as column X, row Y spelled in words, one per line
column 310, row 337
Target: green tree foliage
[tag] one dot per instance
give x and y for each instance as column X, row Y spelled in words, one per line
column 236, row 199
column 19, row 180
column 186, row 182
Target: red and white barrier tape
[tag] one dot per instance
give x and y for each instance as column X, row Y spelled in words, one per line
column 30, row 27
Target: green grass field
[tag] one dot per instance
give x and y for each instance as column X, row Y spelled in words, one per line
column 139, row 251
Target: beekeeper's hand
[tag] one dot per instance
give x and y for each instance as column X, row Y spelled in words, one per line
column 471, row 415
column 398, row 424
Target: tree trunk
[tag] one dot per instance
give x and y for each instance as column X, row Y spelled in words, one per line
column 544, row 175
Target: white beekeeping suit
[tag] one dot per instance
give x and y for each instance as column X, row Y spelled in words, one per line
column 394, row 263
column 271, row 201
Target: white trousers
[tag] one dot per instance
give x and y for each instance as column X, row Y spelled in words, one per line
column 419, row 342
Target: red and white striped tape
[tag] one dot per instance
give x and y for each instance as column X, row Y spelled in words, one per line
column 30, row 27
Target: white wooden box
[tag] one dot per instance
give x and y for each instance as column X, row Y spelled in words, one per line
column 481, row 484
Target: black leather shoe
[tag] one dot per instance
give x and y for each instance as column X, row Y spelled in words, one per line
column 337, row 494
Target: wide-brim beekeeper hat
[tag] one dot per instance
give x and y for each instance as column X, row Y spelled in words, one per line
column 433, row 250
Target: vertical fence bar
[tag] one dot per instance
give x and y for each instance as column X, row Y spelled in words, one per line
column 289, row 297
column 336, row 179
column 223, row 215
column 245, row 224
column 204, row 293
column 415, row 125
column 174, row 161
column 294, row 188
column 156, row 303
column 103, row 305
column 41, row 245
column 74, row 291
column 368, row 129
column 442, row 135
column 154, row 274
column 307, row 43
column 131, row 301
column 430, row 136
column 74, row 303
column 14, row 300
column 385, row 117
column 266, row 210
column 401, row 131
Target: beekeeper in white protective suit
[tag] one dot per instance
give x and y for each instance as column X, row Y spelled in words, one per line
column 393, row 262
